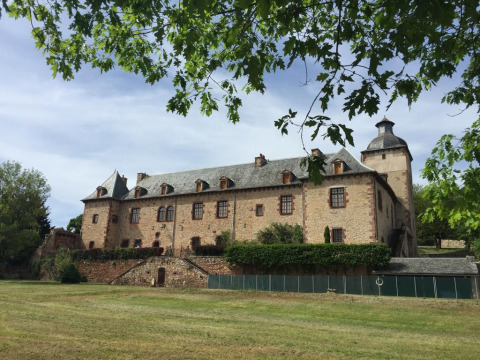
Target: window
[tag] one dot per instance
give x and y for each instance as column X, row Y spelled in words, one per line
column 380, row 203
column 95, row 218
column 91, row 244
column 259, row 210
column 137, row 193
column 337, row 197
column 384, row 156
column 161, row 214
column 286, row 205
column 219, row 241
column 135, row 216
column 337, row 235
column 286, row 177
column 197, row 211
column 125, row 243
column 199, row 185
column 337, row 167
column 170, row 213
column 223, row 184
column 222, row 209
column 164, row 189
column 137, row 244
column 156, row 244
column 195, row 242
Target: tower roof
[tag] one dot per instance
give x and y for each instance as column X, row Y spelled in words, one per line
column 386, row 139
column 114, row 187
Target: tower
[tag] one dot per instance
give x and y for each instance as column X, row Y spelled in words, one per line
column 389, row 156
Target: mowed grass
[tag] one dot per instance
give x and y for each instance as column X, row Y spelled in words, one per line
column 53, row 321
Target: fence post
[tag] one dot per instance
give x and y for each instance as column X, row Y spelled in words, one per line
column 243, row 281
column 455, row 283
column 435, row 286
column 298, row 283
column 284, row 283
column 256, row 282
column 415, row 285
column 270, row 282
column 396, row 284
column 328, row 282
column 344, row 284
column 361, row 283
column 313, row 283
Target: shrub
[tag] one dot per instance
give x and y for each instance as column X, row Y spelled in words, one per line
column 116, row 254
column 476, row 248
column 209, row 250
column 326, row 235
column 326, row 255
column 70, row 275
column 277, row 233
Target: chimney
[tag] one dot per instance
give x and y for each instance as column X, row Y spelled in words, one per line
column 124, row 179
column 316, row 153
column 260, row 161
column 141, row 176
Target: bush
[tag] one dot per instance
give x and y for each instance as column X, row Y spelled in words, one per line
column 277, row 233
column 209, row 250
column 70, row 275
column 326, row 255
column 326, row 235
column 476, row 248
column 116, row 254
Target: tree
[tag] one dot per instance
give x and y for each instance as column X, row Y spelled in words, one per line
column 429, row 228
column 23, row 194
column 75, row 224
column 360, row 50
column 454, row 180
column 277, row 233
column 326, row 235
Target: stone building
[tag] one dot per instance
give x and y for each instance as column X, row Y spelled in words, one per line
column 360, row 201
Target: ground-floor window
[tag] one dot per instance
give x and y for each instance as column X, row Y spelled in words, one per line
column 195, row 242
column 125, row 243
column 337, row 235
column 138, row 243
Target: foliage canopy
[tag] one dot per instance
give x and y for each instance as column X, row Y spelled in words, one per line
column 277, row 233
column 23, row 194
column 75, row 224
column 360, row 50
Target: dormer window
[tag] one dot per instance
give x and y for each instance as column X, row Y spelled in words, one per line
column 201, row 185
column 225, row 183
column 338, row 167
column 101, row 191
column 166, row 189
column 139, row 191
column 287, row 177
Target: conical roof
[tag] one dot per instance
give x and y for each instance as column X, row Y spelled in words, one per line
column 114, row 187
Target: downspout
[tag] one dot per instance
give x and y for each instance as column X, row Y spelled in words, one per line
column 375, row 208
column 174, row 227
column 234, row 215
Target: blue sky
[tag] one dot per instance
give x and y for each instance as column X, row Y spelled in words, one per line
column 77, row 133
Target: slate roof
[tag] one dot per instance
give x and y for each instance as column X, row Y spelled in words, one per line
column 431, row 266
column 114, row 186
column 386, row 139
column 243, row 176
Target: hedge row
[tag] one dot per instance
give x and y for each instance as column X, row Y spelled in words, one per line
column 209, row 250
column 115, row 254
column 327, row 255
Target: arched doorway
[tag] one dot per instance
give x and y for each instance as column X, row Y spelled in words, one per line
column 161, row 277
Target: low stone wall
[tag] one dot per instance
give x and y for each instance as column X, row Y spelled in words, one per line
column 104, row 271
column 215, row 265
column 455, row 244
column 176, row 273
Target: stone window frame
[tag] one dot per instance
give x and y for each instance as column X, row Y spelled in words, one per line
column 334, row 193
column 338, row 167
column 137, row 243
column 170, row 213
column 337, row 233
column 286, row 200
column 135, row 216
column 95, row 218
column 161, row 214
column 222, row 209
column 287, row 177
column 197, row 211
column 262, row 210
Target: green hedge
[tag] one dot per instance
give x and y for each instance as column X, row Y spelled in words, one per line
column 326, row 255
column 115, row 254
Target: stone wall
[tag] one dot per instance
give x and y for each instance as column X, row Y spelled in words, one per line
column 215, row 265
column 177, row 273
column 105, row 271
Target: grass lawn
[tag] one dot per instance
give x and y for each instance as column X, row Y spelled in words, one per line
column 443, row 252
column 53, row 321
